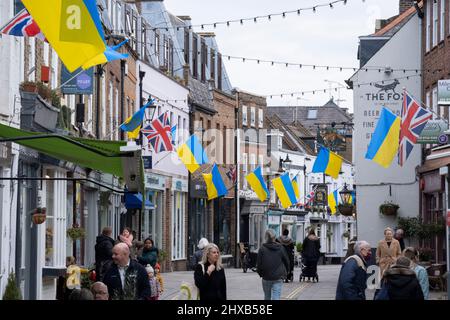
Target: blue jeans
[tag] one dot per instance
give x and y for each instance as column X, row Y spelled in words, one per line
column 272, row 289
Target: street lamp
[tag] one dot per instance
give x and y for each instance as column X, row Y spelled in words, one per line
column 345, row 195
column 281, row 161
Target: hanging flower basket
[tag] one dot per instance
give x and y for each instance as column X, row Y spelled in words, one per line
column 346, row 209
column 29, row 86
column 76, row 233
column 39, row 215
column 389, row 209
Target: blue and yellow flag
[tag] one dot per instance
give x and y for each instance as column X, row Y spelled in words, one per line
column 383, row 146
column 110, row 54
column 192, row 154
column 284, row 190
column 258, row 185
column 353, row 197
column 333, row 201
column 328, row 162
column 72, row 27
column 133, row 123
column 295, row 187
column 215, row 187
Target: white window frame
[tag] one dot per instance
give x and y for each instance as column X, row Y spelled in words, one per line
column 261, row 162
column 434, row 100
column 55, row 65
column 116, row 114
column 435, row 22
column 244, row 170
column 428, row 26
column 244, row 115
column 103, row 110
column 442, row 20
column 90, row 113
column 252, row 162
column 261, row 118
column 111, row 109
column 178, row 226
column 253, row 116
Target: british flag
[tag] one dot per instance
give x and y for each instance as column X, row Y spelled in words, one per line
column 414, row 120
column 23, row 25
column 159, row 133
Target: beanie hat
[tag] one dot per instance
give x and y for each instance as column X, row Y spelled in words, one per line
column 157, row 266
column 149, row 269
column 202, row 243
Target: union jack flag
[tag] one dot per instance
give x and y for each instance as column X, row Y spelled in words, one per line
column 414, row 120
column 159, row 133
column 23, row 25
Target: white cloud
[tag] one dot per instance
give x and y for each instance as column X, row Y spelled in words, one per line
column 327, row 37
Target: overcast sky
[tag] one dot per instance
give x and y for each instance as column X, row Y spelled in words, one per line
column 327, row 37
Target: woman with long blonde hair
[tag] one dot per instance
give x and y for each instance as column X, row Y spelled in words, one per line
column 209, row 275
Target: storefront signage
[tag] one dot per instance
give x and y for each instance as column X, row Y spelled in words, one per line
column 153, row 181
column 273, row 220
column 434, row 133
column 321, row 195
column 147, row 160
column 179, row 185
column 247, row 194
column 444, row 92
column 78, row 82
column 288, row 219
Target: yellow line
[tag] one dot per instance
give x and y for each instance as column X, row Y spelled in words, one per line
column 297, row 291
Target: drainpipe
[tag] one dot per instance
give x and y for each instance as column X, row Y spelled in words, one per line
column 122, row 93
column 98, row 76
column 236, row 188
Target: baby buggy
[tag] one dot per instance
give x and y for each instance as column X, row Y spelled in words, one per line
column 309, row 270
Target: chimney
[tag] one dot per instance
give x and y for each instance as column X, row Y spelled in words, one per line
column 186, row 70
column 405, row 5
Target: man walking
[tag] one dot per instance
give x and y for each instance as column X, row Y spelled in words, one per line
column 272, row 265
column 103, row 251
column 126, row 279
column 352, row 281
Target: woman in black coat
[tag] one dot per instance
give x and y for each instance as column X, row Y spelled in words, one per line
column 310, row 254
column 209, row 275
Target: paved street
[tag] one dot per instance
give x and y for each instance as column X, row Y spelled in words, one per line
column 247, row 286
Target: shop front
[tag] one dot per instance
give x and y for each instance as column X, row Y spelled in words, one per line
column 274, row 220
column 152, row 219
column 179, row 190
column 200, row 215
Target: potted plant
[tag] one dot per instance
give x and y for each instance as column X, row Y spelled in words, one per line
column 39, row 215
column 389, row 208
column 76, row 233
column 28, row 86
column 12, row 291
column 299, row 247
column 44, row 91
column 346, row 209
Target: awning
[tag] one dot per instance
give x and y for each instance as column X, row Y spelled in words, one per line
column 134, row 201
column 100, row 155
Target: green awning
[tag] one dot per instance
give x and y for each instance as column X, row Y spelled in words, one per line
column 100, row 155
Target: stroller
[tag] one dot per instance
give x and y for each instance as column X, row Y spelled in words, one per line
column 309, row 270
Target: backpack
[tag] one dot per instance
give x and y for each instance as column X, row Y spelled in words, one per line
column 188, row 290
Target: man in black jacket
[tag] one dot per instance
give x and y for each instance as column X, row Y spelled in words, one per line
column 272, row 265
column 126, row 278
column 103, row 251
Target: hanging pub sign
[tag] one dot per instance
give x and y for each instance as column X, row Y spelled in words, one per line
column 444, row 92
column 434, row 133
column 320, row 194
column 78, row 82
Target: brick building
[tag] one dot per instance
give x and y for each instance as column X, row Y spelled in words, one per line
column 435, row 62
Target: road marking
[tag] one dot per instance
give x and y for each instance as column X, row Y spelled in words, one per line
column 297, row 291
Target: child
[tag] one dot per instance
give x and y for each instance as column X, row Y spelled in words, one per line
column 159, row 276
column 155, row 289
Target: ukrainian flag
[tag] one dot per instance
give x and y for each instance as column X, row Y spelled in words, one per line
column 328, row 162
column 353, row 197
column 284, row 190
column 333, row 201
column 296, row 189
column 383, row 146
column 192, row 154
column 110, row 54
column 215, row 187
column 72, row 27
column 133, row 123
column 257, row 183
